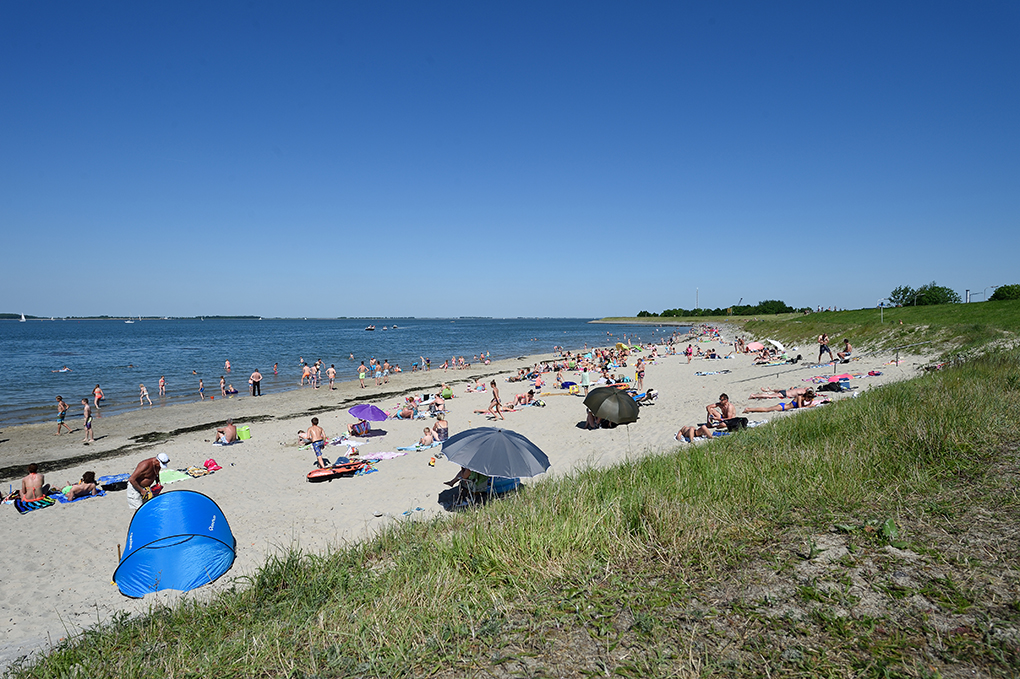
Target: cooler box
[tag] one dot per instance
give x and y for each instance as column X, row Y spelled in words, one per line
column 243, row 433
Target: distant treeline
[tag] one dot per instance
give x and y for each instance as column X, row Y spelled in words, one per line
column 769, row 306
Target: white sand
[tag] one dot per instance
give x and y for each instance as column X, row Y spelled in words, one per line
column 60, row 560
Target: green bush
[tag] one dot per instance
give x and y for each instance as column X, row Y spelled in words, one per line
column 1004, row 292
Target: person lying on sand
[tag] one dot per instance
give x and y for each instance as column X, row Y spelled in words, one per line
column 805, row 400
column 688, row 433
column 522, row 399
column 87, row 486
column 768, row 392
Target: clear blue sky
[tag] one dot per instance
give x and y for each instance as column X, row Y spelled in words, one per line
column 502, row 159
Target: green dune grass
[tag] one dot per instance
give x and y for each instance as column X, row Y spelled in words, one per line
column 946, row 329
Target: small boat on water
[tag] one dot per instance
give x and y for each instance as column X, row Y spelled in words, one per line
column 371, row 327
column 394, row 327
column 384, row 327
column 22, row 318
column 129, row 321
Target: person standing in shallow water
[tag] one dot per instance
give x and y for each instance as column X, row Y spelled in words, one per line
column 256, row 383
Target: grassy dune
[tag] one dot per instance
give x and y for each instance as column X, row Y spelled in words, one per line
column 875, row 537
column 949, row 328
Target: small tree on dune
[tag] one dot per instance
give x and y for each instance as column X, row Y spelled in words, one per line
column 1004, row 292
column 932, row 293
column 902, row 295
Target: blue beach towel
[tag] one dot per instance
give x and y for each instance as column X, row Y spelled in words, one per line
column 114, row 480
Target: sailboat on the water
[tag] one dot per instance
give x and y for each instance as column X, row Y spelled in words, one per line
column 22, row 318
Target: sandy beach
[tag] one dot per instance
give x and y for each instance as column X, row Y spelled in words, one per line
column 61, row 559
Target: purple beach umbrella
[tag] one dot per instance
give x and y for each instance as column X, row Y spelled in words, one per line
column 367, row 411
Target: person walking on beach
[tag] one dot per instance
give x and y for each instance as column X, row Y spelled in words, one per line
column 223, row 387
column 61, row 412
column 386, row 371
column 495, row 405
column 143, row 393
column 306, row 374
column 362, row 371
column 97, row 396
column 331, row 375
column 639, row 369
column 823, row 347
column 201, row 389
column 256, row 383
column 316, row 436
column 87, row 415
column 162, row 385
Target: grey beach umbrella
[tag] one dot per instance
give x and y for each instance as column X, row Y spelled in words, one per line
column 496, row 452
column 609, row 403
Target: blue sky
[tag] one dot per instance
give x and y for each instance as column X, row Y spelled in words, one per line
column 502, row 159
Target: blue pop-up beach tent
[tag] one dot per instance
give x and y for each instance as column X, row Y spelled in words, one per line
column 177, row 540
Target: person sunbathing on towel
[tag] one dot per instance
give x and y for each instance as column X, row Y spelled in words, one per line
column 767, row 392
column 87, row 486
column 805, row 400
column 687, row 434
column 522, row 399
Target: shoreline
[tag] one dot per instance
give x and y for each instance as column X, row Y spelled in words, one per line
column 128, row 432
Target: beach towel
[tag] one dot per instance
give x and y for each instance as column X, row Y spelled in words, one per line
column 110, row 482
column 26, row 507
column 417, row 447
column 383, row 456
column 172, row 476
column 62, row 499
column 714, row 372
column 196, row 472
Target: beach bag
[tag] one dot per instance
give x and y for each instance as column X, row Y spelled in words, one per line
column 736, row 423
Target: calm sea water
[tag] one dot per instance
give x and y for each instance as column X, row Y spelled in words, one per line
column 119, row 356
